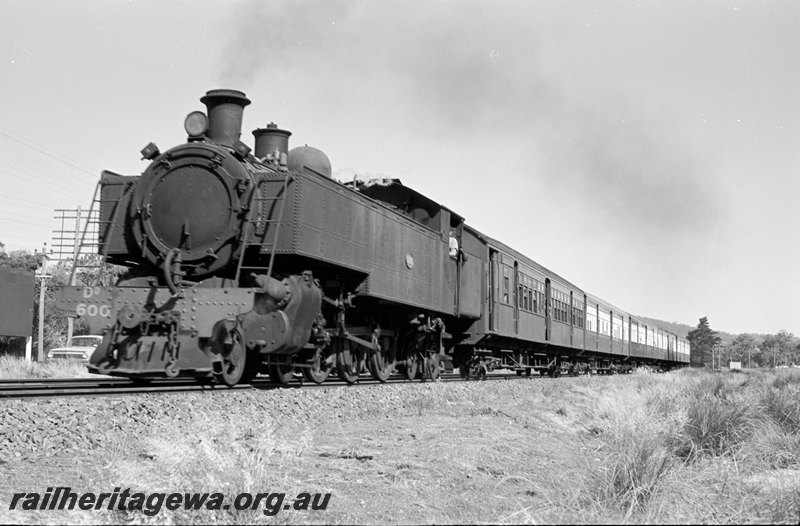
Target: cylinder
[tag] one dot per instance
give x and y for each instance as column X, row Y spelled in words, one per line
column 225, row 110
column 270, row 139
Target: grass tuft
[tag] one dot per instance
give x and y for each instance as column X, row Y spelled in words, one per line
column 786, row 377
column 716, row 424
column 782, row 404
column 632, row 471
column 16, row 367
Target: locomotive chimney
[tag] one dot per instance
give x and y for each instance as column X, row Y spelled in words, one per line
column 270, row 139
column 225, row 109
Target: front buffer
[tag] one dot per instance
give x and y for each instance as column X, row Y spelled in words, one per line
column 197, row 332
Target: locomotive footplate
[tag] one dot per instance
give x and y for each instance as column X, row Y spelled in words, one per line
column 148, row 331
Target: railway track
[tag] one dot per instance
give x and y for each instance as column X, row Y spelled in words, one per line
column 62, row 387
column 45, row 388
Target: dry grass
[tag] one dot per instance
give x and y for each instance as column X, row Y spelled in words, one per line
column 685, row 447
column 15, row 367
column 700, row 447
column 442, row 460
column 214, row 454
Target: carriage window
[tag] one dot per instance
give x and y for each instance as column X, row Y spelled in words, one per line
column 591, row 320
column 561, row 308
column 577, row 317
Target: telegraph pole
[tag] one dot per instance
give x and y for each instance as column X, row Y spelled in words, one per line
column 67, row 242
column 74, row 280
column 716, row 356
column 43, row 277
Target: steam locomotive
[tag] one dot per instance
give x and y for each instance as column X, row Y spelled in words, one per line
column 242, row 261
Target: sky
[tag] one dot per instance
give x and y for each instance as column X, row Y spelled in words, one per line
column 645, row 151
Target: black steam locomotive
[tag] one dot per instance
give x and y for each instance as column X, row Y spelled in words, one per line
column 243, row 261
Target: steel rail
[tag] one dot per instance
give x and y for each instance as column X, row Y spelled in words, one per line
column 63, row 387
column 45, row 384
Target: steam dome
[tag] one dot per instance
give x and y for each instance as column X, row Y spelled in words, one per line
column 311, row 158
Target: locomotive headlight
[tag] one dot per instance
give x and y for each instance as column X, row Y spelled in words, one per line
column 196, row 124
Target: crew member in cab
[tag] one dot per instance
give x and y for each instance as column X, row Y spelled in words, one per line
column 453, row 244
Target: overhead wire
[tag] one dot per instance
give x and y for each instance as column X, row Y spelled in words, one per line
column 9, row 134
column 41, row 166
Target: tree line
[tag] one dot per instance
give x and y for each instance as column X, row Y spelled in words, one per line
column 752, row 350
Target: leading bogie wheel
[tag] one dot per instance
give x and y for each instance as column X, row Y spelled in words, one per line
column 234, row 361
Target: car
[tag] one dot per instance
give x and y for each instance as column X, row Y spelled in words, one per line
column 80, row 348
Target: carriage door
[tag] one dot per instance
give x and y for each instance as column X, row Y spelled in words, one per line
column 548, row 311
column 585, row 318
column 571, row 315
column 517, row 297
column 494, row 289
column 455, row 260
